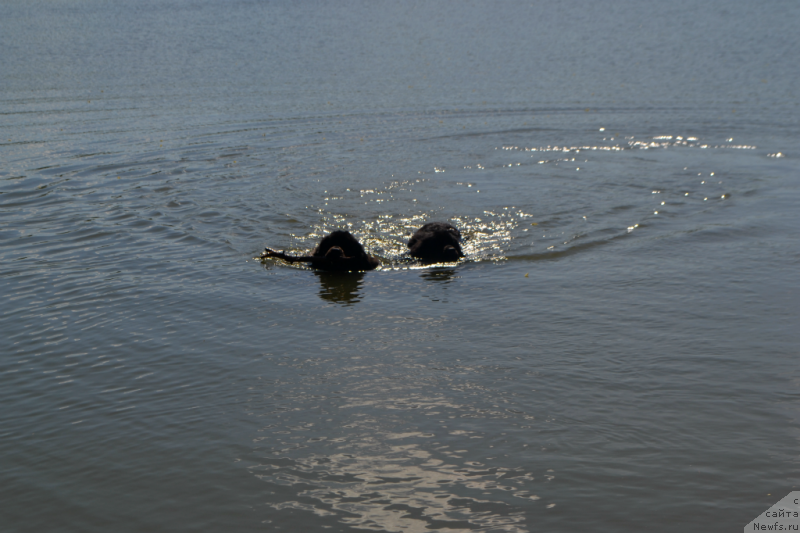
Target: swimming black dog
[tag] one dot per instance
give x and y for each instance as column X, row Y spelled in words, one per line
column 337, row 252
column 436, row 242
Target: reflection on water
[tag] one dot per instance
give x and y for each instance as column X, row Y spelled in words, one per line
column 340, row 287
column 445, row 275
column 372, row 469
column 404, row 488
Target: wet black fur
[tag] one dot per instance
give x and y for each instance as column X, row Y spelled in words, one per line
column 340, row 239
column 337, row 252
column 436, row 242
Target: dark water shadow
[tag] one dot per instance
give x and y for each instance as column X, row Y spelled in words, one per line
column 442, row 275
column 340, row 287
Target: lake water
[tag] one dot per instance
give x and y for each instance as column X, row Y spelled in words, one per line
column 618, row 352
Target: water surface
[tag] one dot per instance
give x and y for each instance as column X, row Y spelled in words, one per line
column 618, row 351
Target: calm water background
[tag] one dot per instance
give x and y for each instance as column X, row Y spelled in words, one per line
column 619, row 351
